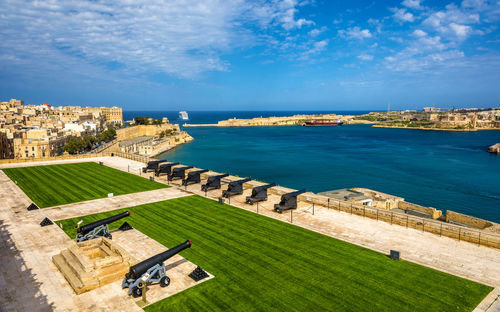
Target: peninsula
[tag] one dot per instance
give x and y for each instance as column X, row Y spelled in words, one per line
column 429, row 118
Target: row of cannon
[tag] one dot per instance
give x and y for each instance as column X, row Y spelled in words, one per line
column 153, row 270
column 259, row 193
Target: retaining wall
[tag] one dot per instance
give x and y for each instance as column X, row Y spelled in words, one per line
column 428, row 210
column 468, row 220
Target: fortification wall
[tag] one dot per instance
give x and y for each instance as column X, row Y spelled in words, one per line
column 468, row 220
column 428, row 210
column 143, row 130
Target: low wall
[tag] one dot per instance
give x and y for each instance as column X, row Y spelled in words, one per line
column 62, row 157
column 468, row 220
column 428, row 210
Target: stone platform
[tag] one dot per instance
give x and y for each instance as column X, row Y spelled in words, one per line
column 93, row 263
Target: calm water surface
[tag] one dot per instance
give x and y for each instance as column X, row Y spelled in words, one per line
column 445, row 170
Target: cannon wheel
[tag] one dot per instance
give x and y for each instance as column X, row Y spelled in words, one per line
column 164, row 281
column 136, row 292
column 108, row 235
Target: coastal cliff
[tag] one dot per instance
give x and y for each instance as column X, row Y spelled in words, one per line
column 495, row 148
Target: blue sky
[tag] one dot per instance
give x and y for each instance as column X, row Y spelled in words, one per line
column 251, row 55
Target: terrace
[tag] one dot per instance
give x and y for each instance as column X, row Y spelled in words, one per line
column 260, row 261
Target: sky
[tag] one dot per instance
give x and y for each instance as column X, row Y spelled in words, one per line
column 251, row 55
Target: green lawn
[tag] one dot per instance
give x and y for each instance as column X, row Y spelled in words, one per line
column 55, row 185
column 263, row 264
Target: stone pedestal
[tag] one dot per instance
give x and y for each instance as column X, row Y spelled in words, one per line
column 92, row 264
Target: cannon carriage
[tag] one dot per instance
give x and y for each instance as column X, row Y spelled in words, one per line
column 213, row 182
column 165, row 169
column 179, row 173
column 153, row 165
column 151, row 270
column 193, row 177
column 98, row 228
column 234, row 188
column 288, row 201
column 259, row 193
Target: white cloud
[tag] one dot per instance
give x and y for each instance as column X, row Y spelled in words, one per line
column 403, row 16
column 355, row 33
column 452, row 23
column 314, row 48
column 180, row 38
column 419, row 33
column 317, row 31
column 365, row 57
column 413, row 4
column 475, row 4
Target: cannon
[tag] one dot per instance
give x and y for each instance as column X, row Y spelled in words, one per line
column 151, row 270
column 179, row 173
column 288, row 201
column 234, row 188
column 152, row 165
column 98, row 228
column 259, row 193
column 213, row 182
column 165, row 169
column 193, row 177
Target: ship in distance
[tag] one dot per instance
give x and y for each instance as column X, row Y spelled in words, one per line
column 324, row 123
column 183, row 115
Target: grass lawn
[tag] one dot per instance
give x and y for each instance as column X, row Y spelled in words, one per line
column 263, row 264
column 54, row 185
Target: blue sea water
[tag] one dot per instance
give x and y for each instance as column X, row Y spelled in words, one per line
column 445, row 170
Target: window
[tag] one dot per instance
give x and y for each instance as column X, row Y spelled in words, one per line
column 32, row 148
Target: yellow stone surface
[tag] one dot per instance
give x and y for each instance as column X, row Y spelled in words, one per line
column 92, row 264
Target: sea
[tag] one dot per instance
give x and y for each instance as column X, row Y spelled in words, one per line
column 440, row 169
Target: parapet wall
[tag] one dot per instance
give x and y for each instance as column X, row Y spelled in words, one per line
column 452, row 216
column 433, row 212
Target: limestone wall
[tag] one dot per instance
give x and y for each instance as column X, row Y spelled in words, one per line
column 428, row 210
column 143, row 130
column 468, row 220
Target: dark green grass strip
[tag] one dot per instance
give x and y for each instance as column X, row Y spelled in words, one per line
column 263, row 264
column 55, row 185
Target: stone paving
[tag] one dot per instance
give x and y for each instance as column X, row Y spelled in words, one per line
column 463, row 259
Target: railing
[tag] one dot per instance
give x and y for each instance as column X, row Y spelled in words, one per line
column 139, row 158
column 437, row 227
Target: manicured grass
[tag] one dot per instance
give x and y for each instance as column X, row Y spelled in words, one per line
column 54, row 185
column 263, row 264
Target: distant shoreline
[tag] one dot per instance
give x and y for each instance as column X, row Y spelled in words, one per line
column 435, row 129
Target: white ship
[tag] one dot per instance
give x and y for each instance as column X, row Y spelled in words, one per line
column 183, row 115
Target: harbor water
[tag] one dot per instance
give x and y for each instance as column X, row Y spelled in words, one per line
column 445, row 170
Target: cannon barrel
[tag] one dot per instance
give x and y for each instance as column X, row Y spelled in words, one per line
column 89, row 227
column 170, row 164
column 182, row 169
column 165, row 168
column 193, row 173
column 140, row 268
column 233, row 183
column 292, row 194
column 257, row 189
column 217, row 177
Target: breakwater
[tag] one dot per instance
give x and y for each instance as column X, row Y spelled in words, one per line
column 278, row 121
